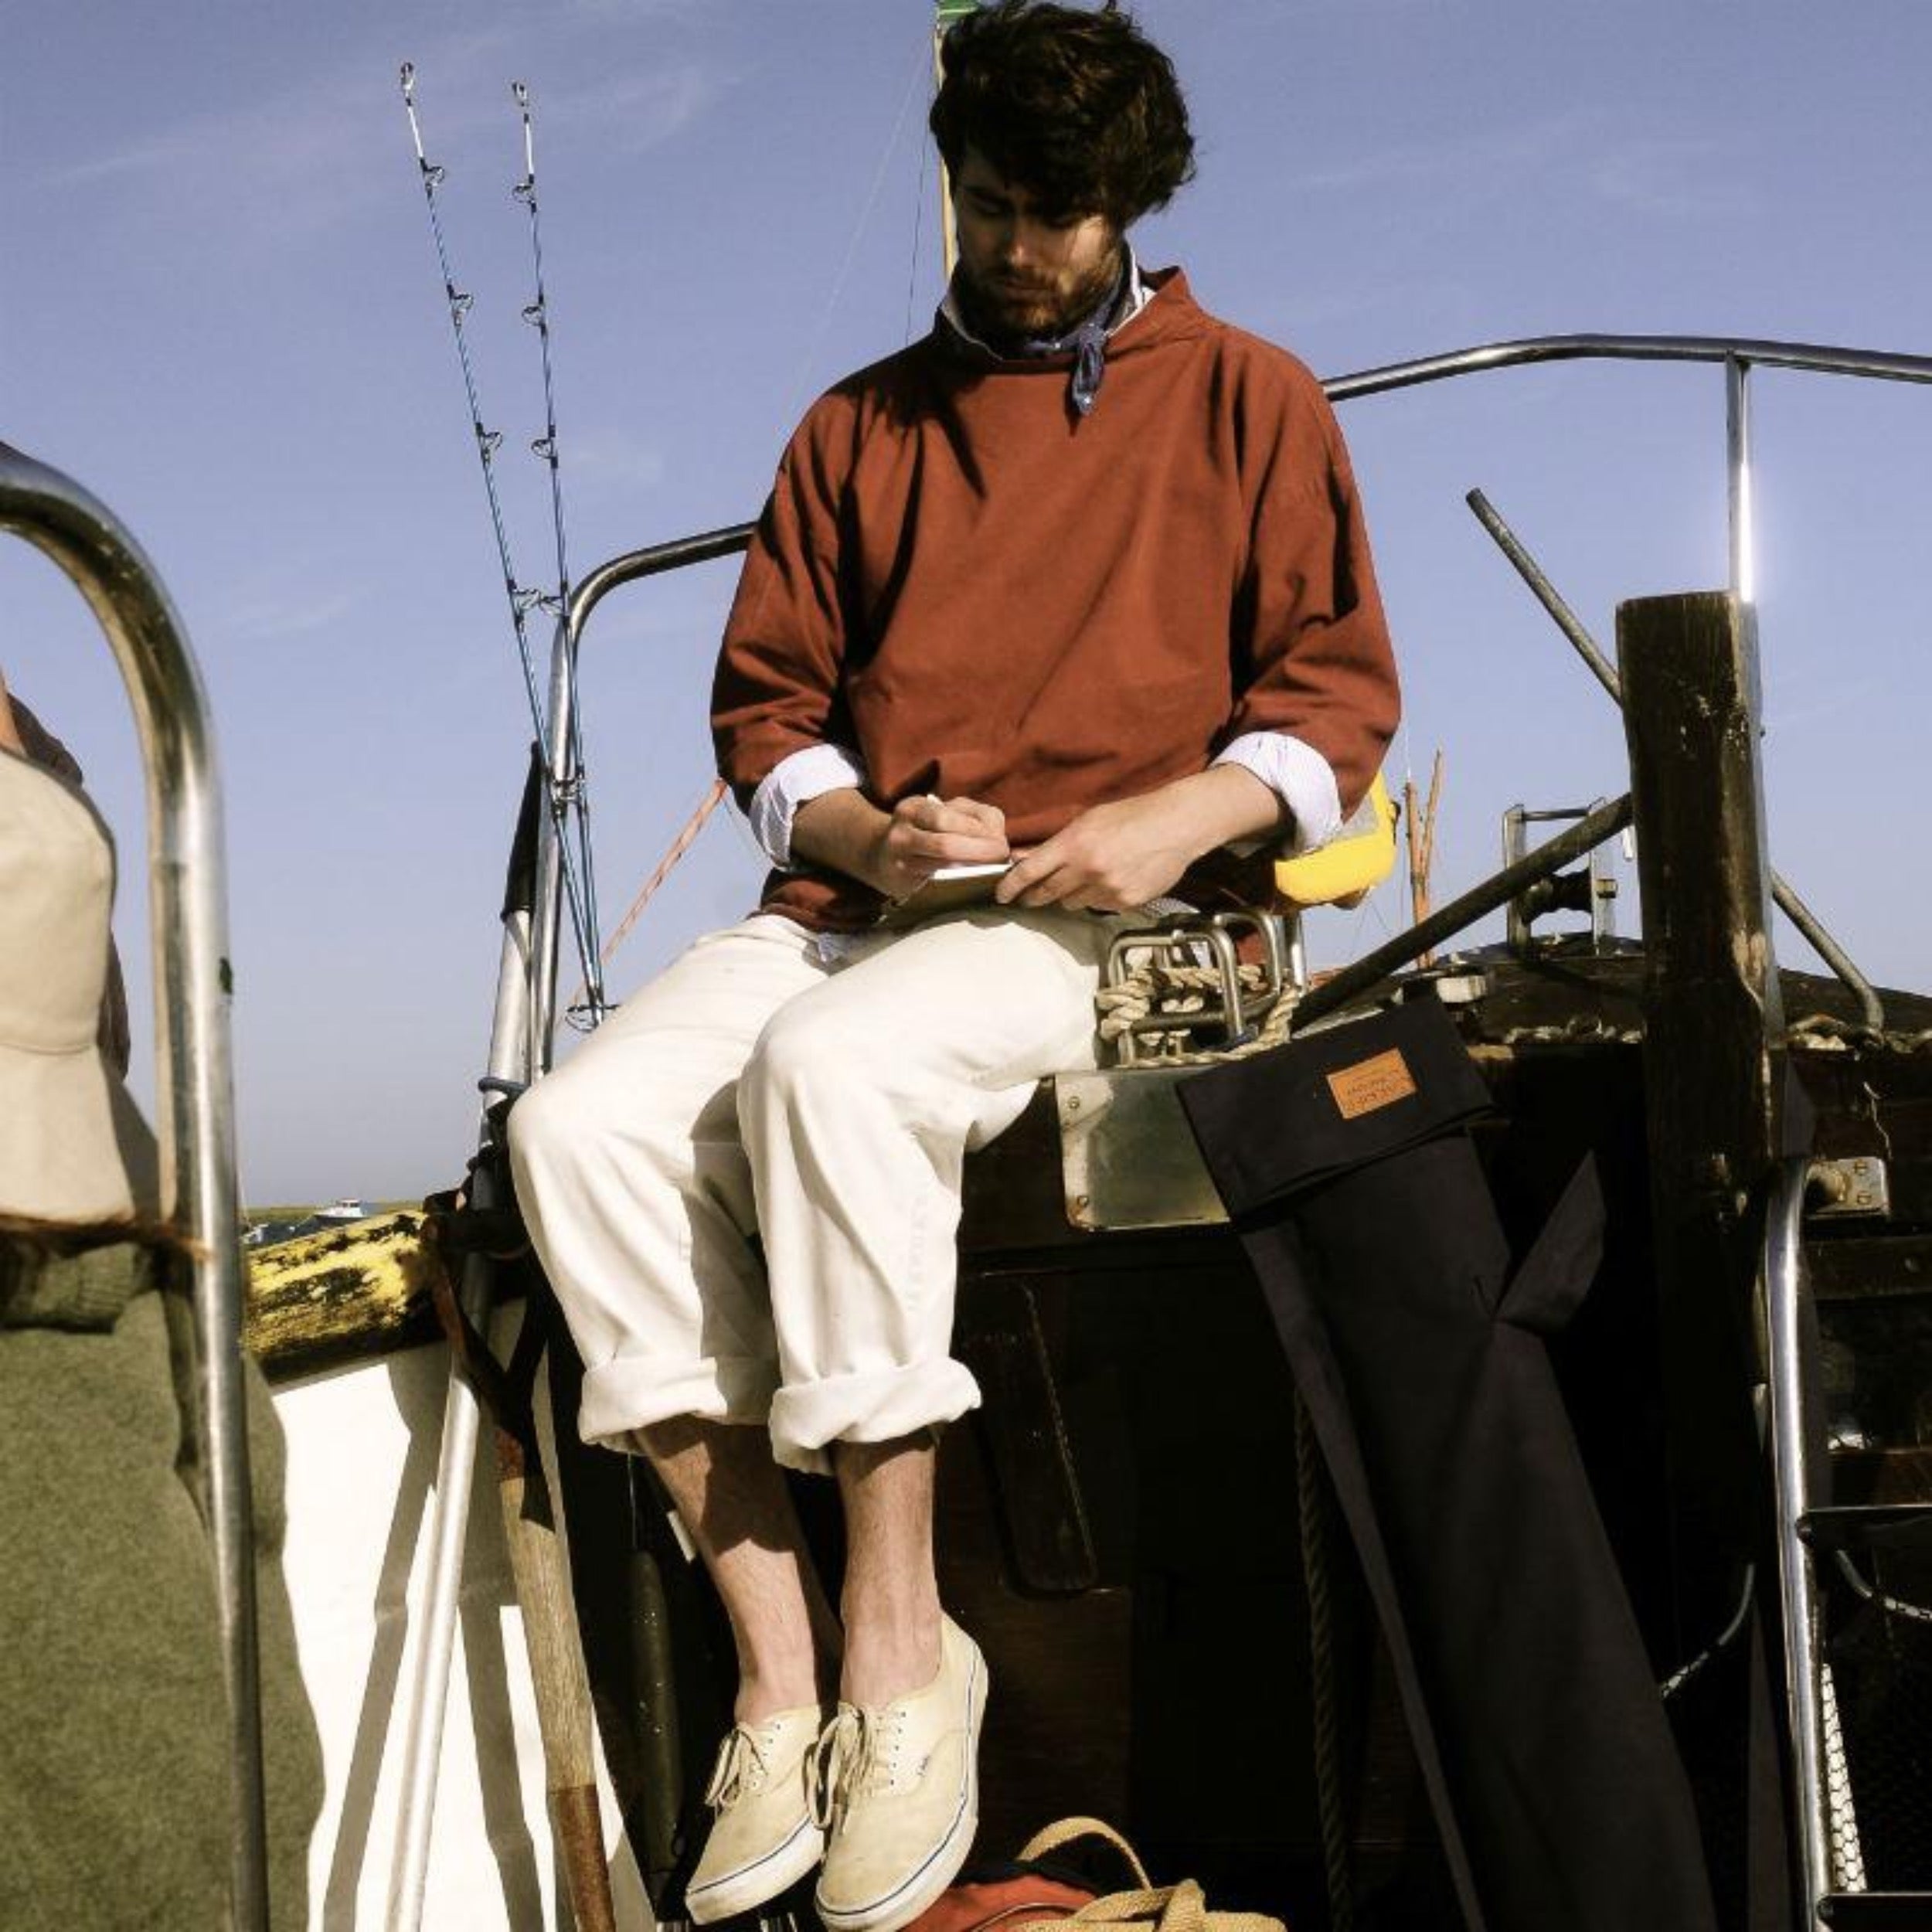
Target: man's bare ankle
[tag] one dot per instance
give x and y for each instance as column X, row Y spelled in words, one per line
column 888, row 1657
column 765, row 1696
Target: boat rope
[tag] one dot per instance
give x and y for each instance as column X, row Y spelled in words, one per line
column 1740, row 1616
column 1580, row 1029
column 686, row 837
column 1870, row 1592
column 1847, row 1851
column 1824, row 1032
column 1157, row 988
column 522, row 599
column 1315, row 1512
column 537, row 312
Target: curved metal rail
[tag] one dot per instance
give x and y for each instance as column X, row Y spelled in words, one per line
column 1784, row 1319
column 1737, row 355
column 1752, row 351
column 194, row 1089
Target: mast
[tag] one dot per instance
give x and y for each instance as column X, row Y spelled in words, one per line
column 1419, row 826
column 945, row 13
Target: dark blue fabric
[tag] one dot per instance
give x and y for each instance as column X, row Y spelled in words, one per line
column 1346, row 1161
column 1087, row 345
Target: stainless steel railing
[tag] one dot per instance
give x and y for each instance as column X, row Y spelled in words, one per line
column 194, row 1089
column 1737, row 355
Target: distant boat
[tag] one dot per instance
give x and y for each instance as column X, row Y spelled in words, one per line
column 338, row 1213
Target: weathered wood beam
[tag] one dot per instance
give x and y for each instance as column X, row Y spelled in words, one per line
column 325, row 1299
column 1712, row 1051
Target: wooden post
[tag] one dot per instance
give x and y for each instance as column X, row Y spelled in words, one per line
column 1712, row 1047
column 1419, row 826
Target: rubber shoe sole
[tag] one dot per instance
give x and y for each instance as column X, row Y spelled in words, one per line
column 760, row 1882
column 904, row 1901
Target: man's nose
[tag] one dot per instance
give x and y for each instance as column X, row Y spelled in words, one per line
column 1020, row 243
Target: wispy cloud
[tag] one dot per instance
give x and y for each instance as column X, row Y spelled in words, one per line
column 1680, row 175
column 322, row 150
column 1684, row 175
column 1807, row 697
column 639, row 109
column 1496, row 156
column 604, row 460
column 624, row 12
column 301, row 155
column 270, row 616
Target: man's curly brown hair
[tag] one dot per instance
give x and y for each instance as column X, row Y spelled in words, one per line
column 1075, row 107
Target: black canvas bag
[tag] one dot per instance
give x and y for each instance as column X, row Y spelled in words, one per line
column 1355, row 1190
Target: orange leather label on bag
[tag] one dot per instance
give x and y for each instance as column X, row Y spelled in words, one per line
column 1371, row 1083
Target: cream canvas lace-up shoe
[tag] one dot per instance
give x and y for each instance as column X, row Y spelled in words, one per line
column 898, row 1791
column 764, row 1835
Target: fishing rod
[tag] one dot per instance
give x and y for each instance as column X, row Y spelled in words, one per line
column 573, row 786
column 564, row 794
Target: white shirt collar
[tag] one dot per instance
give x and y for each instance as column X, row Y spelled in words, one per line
column 1136, row 297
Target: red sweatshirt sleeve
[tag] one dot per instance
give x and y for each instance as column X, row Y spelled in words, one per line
column 775, row 690
column 1312, row 656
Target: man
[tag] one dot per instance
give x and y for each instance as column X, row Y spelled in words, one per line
column 1079, row 582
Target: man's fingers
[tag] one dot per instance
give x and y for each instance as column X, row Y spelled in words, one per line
column 1023, row 873
column 975, row 814
column 1039, row 879
column 935, row 849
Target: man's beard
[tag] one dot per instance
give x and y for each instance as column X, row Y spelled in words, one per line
column 1006, row 314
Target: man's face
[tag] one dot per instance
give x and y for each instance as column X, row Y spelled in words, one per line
column 1026, row 273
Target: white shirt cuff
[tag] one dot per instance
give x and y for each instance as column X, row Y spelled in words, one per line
column 794, row 781
column 1299, row 776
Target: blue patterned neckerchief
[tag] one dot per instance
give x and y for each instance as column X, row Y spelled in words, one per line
column 1087, row 343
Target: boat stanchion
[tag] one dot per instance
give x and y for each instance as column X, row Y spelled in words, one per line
column 1372, row 968
column 1810, row 927
column 428, row 1694
column 194, row 1091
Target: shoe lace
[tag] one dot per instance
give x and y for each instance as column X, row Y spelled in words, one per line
column 842, row 1761
column 741, row 1767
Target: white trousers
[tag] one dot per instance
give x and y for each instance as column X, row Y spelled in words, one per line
column 754, row 1089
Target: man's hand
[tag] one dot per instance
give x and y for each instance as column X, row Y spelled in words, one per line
column 897, row 851
column 1115, row 857
column 922, row 834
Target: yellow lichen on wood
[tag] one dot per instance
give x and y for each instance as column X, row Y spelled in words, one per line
column 362, row 1288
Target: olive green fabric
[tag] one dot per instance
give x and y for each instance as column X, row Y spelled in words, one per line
column 113, row 1747
column 86, row 1291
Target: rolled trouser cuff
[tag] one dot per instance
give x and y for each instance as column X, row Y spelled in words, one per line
column 631, row 1391
column 878, row 1405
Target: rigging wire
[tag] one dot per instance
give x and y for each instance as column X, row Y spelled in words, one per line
column 683, row 840
column 811, row 355
column 522, row 599
column 919, row 235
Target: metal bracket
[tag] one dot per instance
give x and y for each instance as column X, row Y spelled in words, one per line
column 1127, row 1161
column 1211, row 944
column 1591, row 889
column 1857, row 1189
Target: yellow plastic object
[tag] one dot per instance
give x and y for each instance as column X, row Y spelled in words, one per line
column 1357, row 859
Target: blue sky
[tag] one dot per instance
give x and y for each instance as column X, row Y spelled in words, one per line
column 220, row 310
